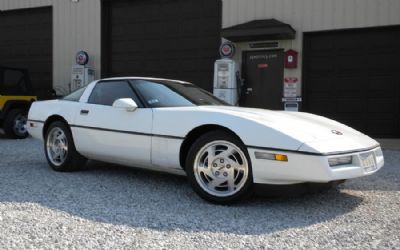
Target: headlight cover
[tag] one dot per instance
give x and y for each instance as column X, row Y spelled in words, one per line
column 378, row 152
column 342, row 160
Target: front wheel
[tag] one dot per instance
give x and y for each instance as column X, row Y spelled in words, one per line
column 60, row 150
column 219, row 168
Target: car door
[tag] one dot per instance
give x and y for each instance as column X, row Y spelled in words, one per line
column 103, row 132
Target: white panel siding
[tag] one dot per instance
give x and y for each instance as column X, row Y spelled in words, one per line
column 311, row 15
column 77, row 26
column 260, row 9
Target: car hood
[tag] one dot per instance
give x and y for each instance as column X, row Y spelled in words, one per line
column 317, row 133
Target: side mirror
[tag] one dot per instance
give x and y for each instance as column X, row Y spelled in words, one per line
column 125, row 103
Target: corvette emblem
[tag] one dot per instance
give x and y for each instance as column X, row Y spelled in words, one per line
column 336, row 132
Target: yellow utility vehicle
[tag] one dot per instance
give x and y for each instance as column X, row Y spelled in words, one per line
column 16, row 98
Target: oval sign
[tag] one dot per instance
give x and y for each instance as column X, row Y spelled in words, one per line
column 227, row 50
column 82, row 58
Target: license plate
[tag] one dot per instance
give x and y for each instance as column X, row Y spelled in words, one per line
column 368, row 162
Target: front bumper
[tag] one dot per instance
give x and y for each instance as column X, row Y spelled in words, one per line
column 302, row 167
column 35, row 129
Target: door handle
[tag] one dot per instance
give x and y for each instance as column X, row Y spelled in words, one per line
column 249, row 90
column 84, row 112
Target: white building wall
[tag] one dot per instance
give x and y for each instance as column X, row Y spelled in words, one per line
column 310, row 15
column 313, row 15
column 77, row 26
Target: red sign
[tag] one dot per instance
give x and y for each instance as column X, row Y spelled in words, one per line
column 262, row 66
column 291, row 59
column 291, row 80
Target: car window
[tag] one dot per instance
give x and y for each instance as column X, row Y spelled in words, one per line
column 107, row 92
column 158, row 94
column 12, row 81
column 75, row 96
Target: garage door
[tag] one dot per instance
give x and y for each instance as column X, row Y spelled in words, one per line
column 26, row 42
column 353, row 76
column 176, row 39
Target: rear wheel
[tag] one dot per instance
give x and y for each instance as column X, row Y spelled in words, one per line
column 15, row 124
column 219, row 168
column 60, row 150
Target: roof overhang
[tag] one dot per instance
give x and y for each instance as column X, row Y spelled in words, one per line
column 259, row 30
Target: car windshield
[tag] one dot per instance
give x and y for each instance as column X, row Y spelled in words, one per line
column 172, row 94
column 75, row 96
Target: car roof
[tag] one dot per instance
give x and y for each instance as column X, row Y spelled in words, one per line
column 144, row 78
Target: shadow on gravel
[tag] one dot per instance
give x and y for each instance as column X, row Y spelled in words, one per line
column 143, row 199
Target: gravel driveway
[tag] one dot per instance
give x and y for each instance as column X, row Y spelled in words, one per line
column 107, row 206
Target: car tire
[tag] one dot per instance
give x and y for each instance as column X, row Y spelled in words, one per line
column 226, row 177
column 60, row 149
column 15, row 124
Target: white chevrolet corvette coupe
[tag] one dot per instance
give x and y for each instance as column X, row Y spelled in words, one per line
column 176, row 127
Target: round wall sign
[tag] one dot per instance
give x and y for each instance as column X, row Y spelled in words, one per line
column 227, row 50
column 82, row 58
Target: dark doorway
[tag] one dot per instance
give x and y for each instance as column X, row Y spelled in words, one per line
column 352, row 76
column 176, row 39
column 263, row 74
column 26, row 43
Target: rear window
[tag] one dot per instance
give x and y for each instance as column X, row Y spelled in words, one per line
column 75, row 96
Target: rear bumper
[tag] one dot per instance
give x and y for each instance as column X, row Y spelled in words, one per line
column 310, row 168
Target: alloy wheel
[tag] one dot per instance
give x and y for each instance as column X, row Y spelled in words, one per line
column 57, row 146
column 221, row 168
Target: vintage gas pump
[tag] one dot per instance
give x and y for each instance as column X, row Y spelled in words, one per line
column 225, row 82
column 290, row 99
column 81, row 75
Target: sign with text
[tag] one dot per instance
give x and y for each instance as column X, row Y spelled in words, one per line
column 290, row 86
